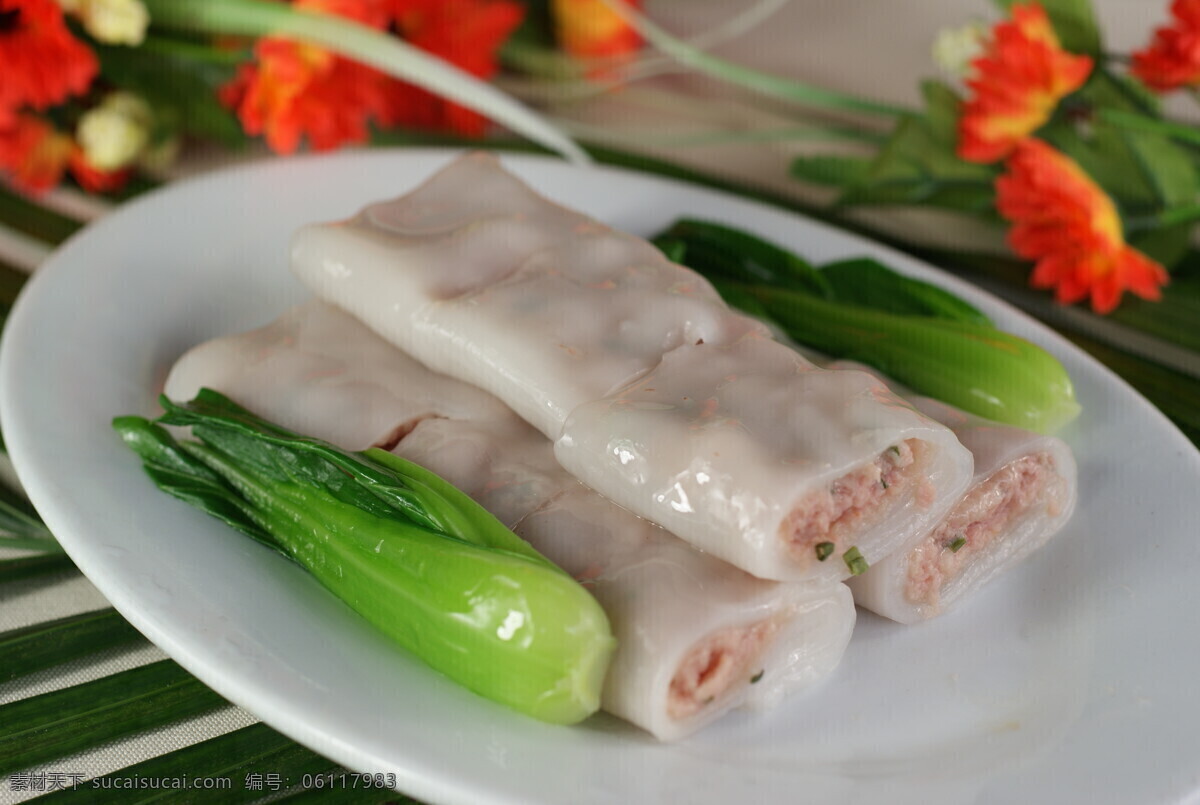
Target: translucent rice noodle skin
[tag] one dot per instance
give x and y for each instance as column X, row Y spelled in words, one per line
column 662, row 597
column 719, row 442
column 565, row 319
column 318, row 370
column 882, row 589
column 665, row 599
column 445, row 272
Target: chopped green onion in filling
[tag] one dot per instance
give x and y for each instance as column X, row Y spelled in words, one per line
column 855, row 561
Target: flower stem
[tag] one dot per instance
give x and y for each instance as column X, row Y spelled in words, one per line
column 178, row 48
column 785, row 88
column 1183, row 214
column 1136, row 122
column 361, row 43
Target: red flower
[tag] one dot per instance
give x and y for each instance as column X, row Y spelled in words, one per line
column 467, row 34
column 91, row 178
column 1065, row 222
column 588, row 28
column 1172, row 59
column 33, row 154
column 41, row 64
column 1019, row 80
column 296, row 91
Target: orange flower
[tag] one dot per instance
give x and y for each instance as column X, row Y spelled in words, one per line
column 1019, row 80
column 467, row 34
column 588, row 28
column 1065, row 222
column 41, row 64
column 1172, row 59
column 93, row 179
column 33, row 154
column 296, row 91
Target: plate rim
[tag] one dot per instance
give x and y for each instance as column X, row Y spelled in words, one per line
column 44, row 281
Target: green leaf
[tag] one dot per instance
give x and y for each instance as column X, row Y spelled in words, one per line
column 1172, row 319
column 378, row 49
column 1167, row 168
column 1105, row 154
column 18, row 519
column 181, row 90
column 976, row 368
column 422, row 562
column 25, row 215
column 50, row 643
column 868, row 283
column 1074, row 21
column 53, row 725
column 788, row 89
column 177, row 472
column 1167, row 245
column 942, row 109
column 1108, row 90
column 716, row 250
column 831, row 171
column 919, row 163
column 11, row 282
column 27, row 567
column 251, row 759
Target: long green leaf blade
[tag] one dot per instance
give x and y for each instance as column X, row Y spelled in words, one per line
column 868, row 283
column 719, row 251
column 44, row 645
column 366, row 45
column 18, row 519
column 27, row 216
column 776, row 86
column 976, row 368
column 27, row 567
column 60, row 723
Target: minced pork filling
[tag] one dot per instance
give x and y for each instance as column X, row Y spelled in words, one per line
column 974, row 525
column 717, row 664
column 831, row 513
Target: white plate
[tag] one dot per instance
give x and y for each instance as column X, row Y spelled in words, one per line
column 1073, row 679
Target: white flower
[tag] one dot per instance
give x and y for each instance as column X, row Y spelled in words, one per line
column 158, row 158
column 955, row 48
column 114, row 22
column 116, row 132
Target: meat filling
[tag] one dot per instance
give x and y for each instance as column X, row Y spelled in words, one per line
column 975, row 524
column 718, row 664
column 829, row 515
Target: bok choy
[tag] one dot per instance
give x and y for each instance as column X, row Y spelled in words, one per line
column 405, row 549
column 912, row 331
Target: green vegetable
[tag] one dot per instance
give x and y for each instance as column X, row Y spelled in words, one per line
column 868, row 283
column 824, row 550
column 721, row 252
column 855, row 561
column 404, row 548
column 973, row 367
column 956, row 546
column 912, row 331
